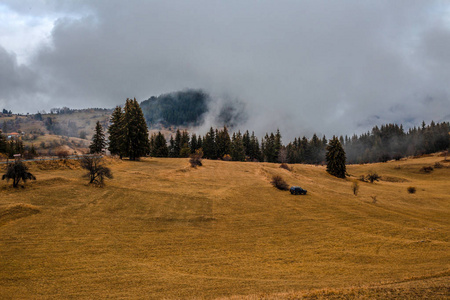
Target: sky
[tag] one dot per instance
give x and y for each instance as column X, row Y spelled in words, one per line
column 329, row 67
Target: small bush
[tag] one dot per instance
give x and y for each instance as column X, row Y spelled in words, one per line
column 438, row 165
column 279, row 183
column 355, row 187
column 196, row 158
column 411, row 190
column 428, row 169
column 374, row 199
column 373, row 177
column 62, row 153
column 285, row 166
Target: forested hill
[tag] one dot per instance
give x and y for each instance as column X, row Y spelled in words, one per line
column 183, row 108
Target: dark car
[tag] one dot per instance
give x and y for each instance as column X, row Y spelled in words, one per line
column 296, row 190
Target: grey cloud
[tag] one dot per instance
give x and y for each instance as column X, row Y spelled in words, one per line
column 18, row 84
column 303, row 67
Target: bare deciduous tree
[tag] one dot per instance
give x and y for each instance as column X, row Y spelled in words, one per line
column 97, row 172
column 17, row 171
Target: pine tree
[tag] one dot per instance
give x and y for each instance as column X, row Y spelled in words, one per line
column 116, row 132
column 193, row 144
column 277, row 144
column 237, row 147
column 223, row 142
column 98, row 140
column 159, row 148
column 336, row 158
column 171, row 147
column 209, row 145
column 136, row 142
column 2, row 143
column 177, row 144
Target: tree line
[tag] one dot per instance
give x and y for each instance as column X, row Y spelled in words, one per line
column 128, row 137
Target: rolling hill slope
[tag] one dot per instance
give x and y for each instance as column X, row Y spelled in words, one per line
column 160, row 229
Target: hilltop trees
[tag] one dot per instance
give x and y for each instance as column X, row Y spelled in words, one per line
column 136, row 142
column 336, row 158
column 128, row 131
column 98, row 140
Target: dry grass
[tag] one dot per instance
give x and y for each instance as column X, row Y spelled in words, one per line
column 223, row 230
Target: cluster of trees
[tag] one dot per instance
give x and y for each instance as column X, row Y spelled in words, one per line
column 216, row 144
column 67, row 110
column 381, row 144
column 6, row 112
column 128, row 132
column 390, row 141
column 15, row 146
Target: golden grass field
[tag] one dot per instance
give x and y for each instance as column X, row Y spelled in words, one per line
column 162, row 230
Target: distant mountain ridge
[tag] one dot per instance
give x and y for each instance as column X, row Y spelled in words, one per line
column 183, row 108
column 190, row 108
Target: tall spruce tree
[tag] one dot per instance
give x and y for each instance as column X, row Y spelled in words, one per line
column 159, row 147
column 210, row 145
column 223, row 142
column 116, row 133
column 98, row 140
column 336, row 158
column 136, row 142
column 237, row 147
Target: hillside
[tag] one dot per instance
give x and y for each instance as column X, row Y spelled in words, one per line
column 160, row 229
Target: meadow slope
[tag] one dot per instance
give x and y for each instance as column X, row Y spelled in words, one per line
column 161, row 229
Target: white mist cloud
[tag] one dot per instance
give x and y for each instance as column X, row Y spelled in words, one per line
column 304, row 67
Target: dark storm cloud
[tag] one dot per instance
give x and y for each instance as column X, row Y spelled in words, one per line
column 16, row 81
column 304, row 67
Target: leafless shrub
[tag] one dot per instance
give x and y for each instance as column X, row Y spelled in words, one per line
column 196, row 158
column 411, row 189
column 279, row 183
column 438, row 165
column 355, row 187
column 427, row 170
column 285, row 166
column 374, row 199
column 97, row 172
column 371, row 177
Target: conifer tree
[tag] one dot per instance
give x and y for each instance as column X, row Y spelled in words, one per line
column 136, row 142
column 223, row 142
column 159, row 147
column 193, row 144
column 171, row 147
column 336, row 158
column 209, row 145
column 98, row 140
column 237, row 147
column 2, row 143
column 116, row 132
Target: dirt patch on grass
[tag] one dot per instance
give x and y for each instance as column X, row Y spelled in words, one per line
column 16, row 211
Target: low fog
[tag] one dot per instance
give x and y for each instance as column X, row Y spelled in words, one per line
column 330, row 67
